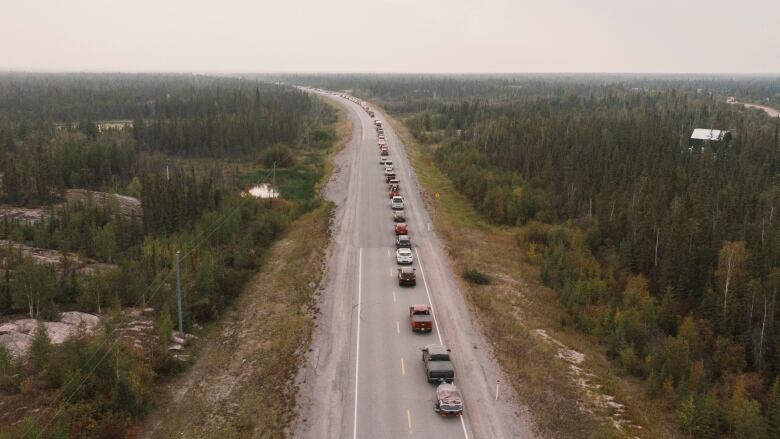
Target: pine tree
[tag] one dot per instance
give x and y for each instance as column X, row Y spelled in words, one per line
column 40, row 348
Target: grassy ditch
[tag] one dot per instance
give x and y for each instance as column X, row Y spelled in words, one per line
column 242, row 384
column 513, row 306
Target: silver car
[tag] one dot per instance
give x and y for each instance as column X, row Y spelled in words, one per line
column 397, row 203
column 403, row 256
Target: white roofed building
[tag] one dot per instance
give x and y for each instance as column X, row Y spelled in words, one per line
column 702, row 136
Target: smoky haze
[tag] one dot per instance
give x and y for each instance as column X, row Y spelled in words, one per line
column 432, row 36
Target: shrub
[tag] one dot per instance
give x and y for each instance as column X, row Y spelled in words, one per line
column 476, row 277
column 279, row 154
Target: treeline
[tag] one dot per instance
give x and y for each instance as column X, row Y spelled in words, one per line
column 173, row 114
column 227, row 124
column 32, row 98
column 670, row 255
column 189, row 207
column 408, row 93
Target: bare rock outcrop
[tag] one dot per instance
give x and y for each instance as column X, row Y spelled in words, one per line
column 16, row 336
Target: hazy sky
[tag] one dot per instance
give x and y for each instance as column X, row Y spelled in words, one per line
column 711, row 36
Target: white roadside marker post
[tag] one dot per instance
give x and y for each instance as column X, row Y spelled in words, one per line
column 497, row 381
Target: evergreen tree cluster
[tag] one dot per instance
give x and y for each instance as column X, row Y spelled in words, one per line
column 671, row 255
column 187, row 206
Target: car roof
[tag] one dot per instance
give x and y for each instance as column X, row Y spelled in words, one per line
column 436, row 349
column 406, row 270
column 404, row 250
column 403, row 237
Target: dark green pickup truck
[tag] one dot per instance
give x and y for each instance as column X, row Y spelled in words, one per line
column 438, row 367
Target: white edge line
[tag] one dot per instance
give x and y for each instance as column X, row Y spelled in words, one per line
column 357, row 343
column 435, row 322
column 428, row 293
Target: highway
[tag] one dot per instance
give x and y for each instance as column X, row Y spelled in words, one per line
column 364, row 377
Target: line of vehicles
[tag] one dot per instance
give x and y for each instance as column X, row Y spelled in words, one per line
column 435, row 357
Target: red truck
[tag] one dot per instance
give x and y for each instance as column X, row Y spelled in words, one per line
column 420, row 317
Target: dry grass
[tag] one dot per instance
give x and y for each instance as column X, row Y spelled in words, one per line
column 514, row 305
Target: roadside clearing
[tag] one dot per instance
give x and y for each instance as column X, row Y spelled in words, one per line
column 242, row 382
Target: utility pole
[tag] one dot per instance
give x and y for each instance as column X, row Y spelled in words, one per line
column 178, row 294
column 273, row 186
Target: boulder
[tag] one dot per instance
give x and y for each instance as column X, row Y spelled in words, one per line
column 16, row 343
column 76, row 318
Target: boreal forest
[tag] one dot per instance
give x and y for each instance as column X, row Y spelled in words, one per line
column 665, row 249
column 105, row 177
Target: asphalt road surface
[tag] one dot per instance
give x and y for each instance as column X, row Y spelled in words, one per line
column 364, row 376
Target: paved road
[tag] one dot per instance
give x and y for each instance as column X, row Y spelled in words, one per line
column 364, row 376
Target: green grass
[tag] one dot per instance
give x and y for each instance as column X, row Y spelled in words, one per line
column 298, row 183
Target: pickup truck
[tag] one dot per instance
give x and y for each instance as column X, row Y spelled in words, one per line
column 438, row 367
column 420, row 318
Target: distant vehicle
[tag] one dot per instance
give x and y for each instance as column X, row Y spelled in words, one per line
column 378, row 123
column 403, row 256
column 403, row 241
column 438, row 367
column 371, row 113
column 400, row 229
column 384, row 152
column 383, row 159
column 390, row 177
column 399, row 216
column 394, row 181
column 382, row 136
column 448, row 400
column 394, row 191
column 388, row 168
column 388, row 162
column 397, row 203
column 406, row 277
column 420, row 318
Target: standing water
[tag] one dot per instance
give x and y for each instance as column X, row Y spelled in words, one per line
column 263, row 190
